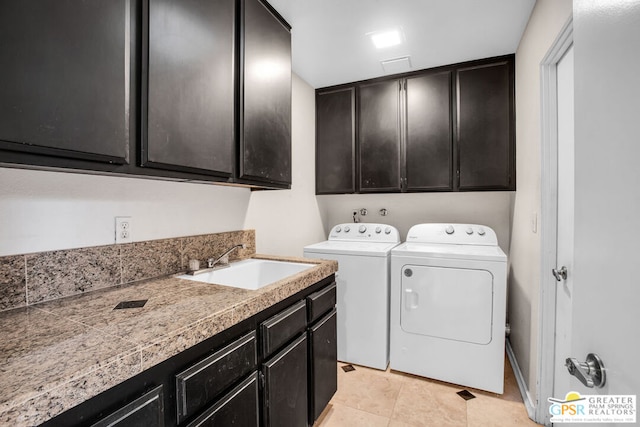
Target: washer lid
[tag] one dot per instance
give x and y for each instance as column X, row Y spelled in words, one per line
column 434, row 250
column 350, row 248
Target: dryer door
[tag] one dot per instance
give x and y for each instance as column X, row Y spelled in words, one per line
column 448, row 303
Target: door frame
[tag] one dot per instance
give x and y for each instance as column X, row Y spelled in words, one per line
column 549, row 219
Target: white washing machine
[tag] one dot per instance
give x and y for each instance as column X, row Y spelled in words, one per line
column 448, row 305
column 363, row 255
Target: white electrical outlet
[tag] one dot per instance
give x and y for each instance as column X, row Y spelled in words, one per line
column 123, row 229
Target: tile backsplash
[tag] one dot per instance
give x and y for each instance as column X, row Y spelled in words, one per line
column 33, row 278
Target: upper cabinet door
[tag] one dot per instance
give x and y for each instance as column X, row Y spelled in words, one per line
column 190, row 109
column 429, row 137
column 486, row 137
column 379, row 136
column 335, row 141
column 265, row 140
column 65, row 86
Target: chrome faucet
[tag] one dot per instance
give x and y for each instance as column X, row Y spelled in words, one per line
column 223, row 259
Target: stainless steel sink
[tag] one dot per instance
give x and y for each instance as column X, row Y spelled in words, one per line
column 250, row 273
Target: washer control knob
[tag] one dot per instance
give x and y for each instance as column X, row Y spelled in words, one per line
column 378, row 230
column 449, row 229
column 338, row 229
column 469, row 231
column 347, row 229
column 387, row 230
column 362, row 229
column 481, row 231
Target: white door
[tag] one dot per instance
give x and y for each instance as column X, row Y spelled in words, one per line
column 564, row 244
column 606, row 284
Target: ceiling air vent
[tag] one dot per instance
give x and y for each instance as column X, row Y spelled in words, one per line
column 396, row 65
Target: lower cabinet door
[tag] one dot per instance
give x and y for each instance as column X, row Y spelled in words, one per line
column 145, row 411
column 285, row 386
column 324, row 365
column 237, row 408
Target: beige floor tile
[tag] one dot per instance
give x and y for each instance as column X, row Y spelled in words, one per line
column 424, row 402
column 494, row 412
column 337, row 415
column 368, row 390
column 368, row 397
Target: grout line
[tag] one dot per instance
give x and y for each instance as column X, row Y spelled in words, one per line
column 26, row 282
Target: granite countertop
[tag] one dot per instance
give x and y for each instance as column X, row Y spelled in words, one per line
column 58, row 354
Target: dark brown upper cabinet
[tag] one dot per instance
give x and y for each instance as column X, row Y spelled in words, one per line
column 486, row 140
column 265, row 96
column 336, row 141
column 189, row 114
column 379, row 136
column 444, row 129
column 65, row 87
column 429, row 133
column 196, row 90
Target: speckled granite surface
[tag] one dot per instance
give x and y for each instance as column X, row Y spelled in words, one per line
column 30, row 279
column 60, row 353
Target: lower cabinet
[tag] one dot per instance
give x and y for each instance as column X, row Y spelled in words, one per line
column 323, row 354
column 285, row 386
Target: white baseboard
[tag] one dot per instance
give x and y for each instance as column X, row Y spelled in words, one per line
column 526, row 397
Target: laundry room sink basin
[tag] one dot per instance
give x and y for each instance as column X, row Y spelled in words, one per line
column 250, row 273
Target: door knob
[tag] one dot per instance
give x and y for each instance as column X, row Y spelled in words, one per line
column 561, row 274
column 590, row 373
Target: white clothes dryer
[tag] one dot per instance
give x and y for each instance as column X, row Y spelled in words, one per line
column 448, row 305
column 363, row 254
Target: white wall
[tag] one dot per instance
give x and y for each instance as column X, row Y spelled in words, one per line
column 404, row 210
column 42, row 210
column 546, row 21
column 287, row 220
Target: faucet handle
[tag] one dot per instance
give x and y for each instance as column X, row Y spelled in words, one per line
column 210, row 262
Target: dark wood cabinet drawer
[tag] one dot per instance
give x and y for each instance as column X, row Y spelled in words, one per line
column 199, row 385
column 281, row 328
column 145, row 411
column 318, row 303
column 238, row 407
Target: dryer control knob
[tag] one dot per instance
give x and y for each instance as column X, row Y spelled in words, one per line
column 338, row 229
column 387, row 230
column 449, row 229
column 378, row 230
column 347, row 229
column 481, row 231
column 469, row 231
column 362, row 228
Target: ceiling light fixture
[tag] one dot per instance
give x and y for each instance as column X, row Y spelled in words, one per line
column 384, row 39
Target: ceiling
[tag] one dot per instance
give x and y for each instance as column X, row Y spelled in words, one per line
column 330, row 44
